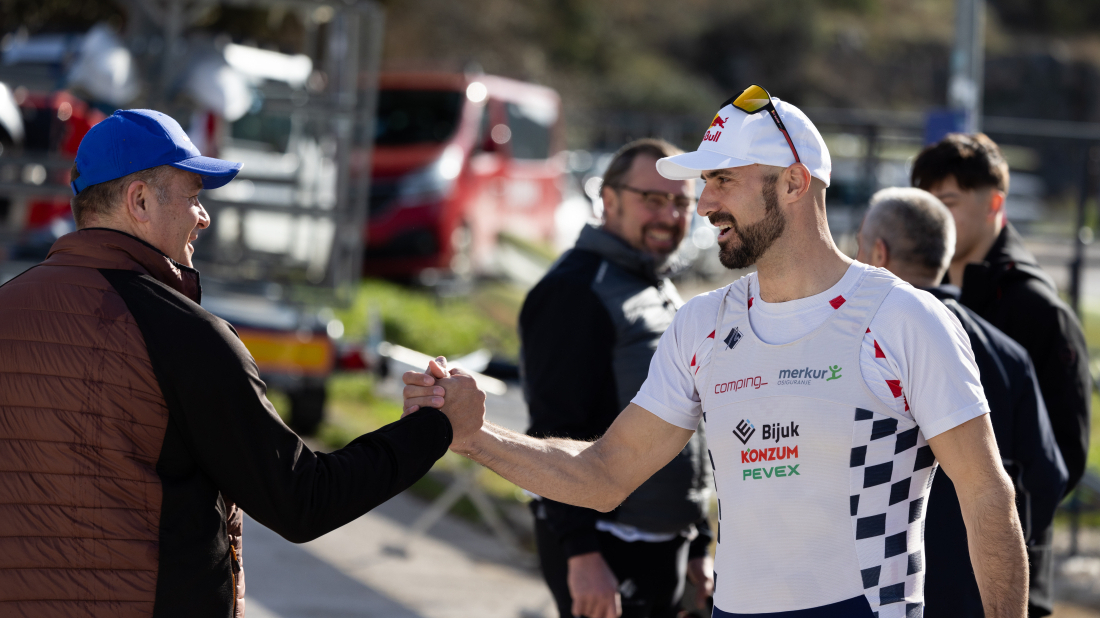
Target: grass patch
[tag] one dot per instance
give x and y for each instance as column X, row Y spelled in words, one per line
column 281, row 402
column 540, row 250
column 418, row 319
column 1090, row 322
column 353, row 409
column 1093, row 461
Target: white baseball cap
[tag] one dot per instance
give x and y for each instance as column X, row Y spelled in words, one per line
column 736, row 139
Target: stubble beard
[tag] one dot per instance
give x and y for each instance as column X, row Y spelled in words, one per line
column 755, row 239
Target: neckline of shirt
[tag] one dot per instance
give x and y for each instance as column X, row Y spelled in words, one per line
column 808, row 304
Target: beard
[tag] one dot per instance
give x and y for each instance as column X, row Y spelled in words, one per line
column 755, row 239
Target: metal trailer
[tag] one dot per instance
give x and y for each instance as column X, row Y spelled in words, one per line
column 286, row 239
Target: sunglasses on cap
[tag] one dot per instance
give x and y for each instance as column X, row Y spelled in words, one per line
column 755, row 99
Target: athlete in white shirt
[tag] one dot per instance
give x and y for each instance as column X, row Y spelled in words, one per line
column 829, row 390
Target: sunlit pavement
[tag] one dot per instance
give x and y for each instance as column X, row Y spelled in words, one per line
column 457, row 571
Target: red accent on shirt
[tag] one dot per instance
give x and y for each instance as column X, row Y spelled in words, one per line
column 878, row 351
column 750, row 302
column 711, row 335
column 895, row 387
column 906, row 403
column 868, row 330
column 837, row 302
column 692, row 360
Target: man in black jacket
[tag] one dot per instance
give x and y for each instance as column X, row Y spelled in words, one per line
column 910, row 233
column 589, row 329
column 1002, row 282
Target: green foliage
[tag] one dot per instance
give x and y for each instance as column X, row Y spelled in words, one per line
column 1042, row 16
column 428, row 323
column 1090, row 320
column 354, row 408
column 281, row 403
column 859, row 7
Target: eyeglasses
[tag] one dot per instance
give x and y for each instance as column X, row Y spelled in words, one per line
column 755, row 99
column 656, row 201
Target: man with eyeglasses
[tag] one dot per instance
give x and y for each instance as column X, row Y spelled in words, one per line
column 588, row 330
column 830, row 391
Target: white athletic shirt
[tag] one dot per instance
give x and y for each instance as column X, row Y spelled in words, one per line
column 821, row 482
column 907, row 340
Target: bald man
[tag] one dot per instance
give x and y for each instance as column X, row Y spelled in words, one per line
column 911, row 233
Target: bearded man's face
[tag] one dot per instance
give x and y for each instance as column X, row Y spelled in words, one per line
column 744, row 246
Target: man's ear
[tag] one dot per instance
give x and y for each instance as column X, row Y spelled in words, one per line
column 996, row 202
column 880, row 254
column 795, row 181
column 139, row 201
column 610, row 201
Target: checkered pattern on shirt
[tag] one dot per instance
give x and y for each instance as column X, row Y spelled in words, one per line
column 891, row 471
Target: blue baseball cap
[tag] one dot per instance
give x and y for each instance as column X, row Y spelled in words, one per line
column 132, row 140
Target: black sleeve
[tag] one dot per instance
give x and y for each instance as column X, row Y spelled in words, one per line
column 1042, row 471
column 241, row 443
column 567, row 338
column 700, row 545
column 222, row 427
column 1054, row 340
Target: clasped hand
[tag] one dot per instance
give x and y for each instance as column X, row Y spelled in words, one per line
column 453, row 392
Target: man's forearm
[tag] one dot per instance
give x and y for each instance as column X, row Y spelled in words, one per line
column 567, row 471
column 997, row 550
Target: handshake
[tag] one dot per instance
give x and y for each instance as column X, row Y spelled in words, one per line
column 453, row 392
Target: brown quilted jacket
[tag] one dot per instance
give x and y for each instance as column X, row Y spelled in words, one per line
column 126, row 411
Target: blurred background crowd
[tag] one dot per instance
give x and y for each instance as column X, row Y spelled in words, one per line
column 412, row 168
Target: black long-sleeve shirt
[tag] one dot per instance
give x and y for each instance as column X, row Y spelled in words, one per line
column 1010, row 291
column 1030, row 455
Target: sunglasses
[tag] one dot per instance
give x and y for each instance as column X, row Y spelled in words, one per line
column 755, row 99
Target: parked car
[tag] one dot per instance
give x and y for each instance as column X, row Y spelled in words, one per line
column 457, row 161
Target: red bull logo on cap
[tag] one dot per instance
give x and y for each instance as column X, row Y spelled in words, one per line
column 712, row 136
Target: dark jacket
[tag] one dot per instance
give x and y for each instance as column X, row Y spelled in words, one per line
column 588, row 331
column 1010, row 291
column 1029, row 453
column 134, row 424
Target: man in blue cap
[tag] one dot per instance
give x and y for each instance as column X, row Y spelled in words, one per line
column 134, row 428
column 151, row 148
